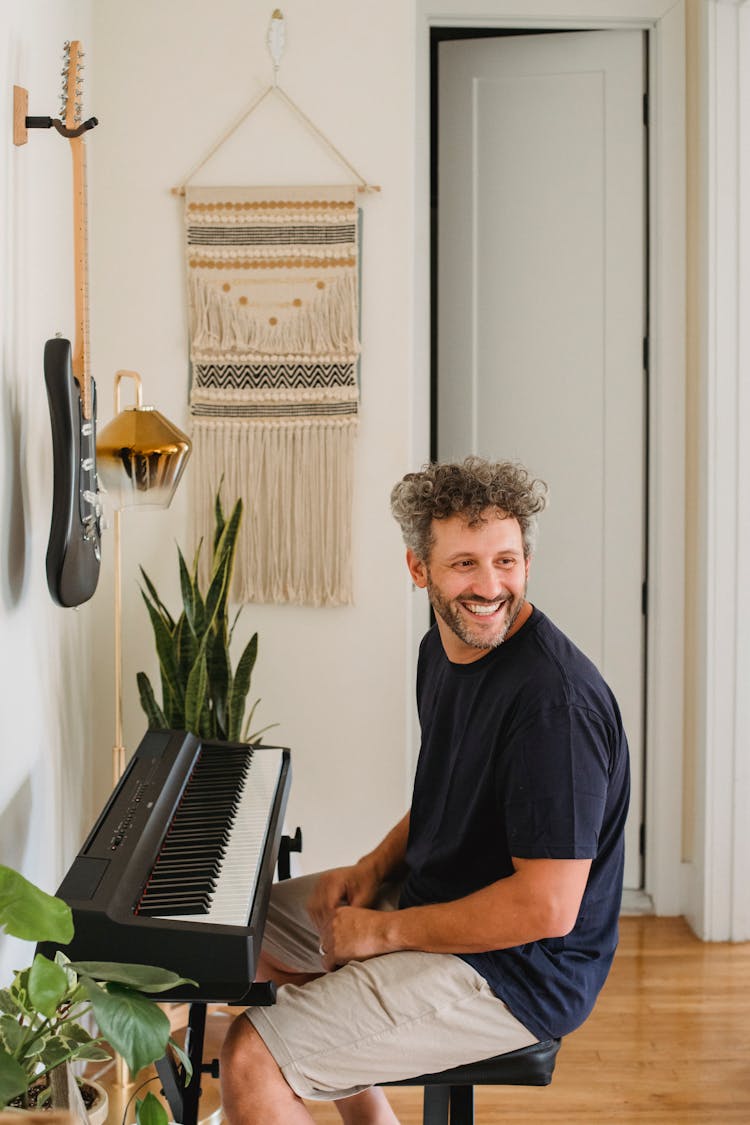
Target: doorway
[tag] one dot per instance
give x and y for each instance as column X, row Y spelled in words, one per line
column 539, row 318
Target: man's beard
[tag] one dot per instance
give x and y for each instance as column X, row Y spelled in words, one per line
column 456, row 620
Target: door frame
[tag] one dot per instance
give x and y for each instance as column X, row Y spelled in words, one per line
column 664, row 20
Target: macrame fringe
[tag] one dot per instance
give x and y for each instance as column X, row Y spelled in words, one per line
column 327, row 323
column 296, row 484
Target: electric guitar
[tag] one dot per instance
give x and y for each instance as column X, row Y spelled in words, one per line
column 74, row 548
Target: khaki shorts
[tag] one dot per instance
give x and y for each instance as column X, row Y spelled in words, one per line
column 391, row 1017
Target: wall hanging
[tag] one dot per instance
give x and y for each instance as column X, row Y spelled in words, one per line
column 273, row 280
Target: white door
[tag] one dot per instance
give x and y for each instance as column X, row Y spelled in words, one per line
column 541, row 319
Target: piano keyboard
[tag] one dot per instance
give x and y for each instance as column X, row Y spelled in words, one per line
column 177, row 870
column 208, row 865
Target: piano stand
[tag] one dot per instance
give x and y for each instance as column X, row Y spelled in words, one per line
column 183, row 1096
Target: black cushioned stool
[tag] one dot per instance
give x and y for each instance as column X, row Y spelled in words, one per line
column 449, row 1095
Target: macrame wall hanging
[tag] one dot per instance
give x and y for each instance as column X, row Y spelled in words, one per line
column 273, row 309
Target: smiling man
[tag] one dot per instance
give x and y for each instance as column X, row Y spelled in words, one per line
column 487, row 918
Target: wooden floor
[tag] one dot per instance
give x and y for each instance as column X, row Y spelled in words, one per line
column 669, row 1040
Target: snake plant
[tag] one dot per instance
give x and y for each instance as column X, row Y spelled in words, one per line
column 200, row 692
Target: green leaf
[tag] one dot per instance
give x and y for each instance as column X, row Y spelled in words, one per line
column 54, row 1052
column 187, row 588
column 162, row 610
column 132, row 1024
column 7, row 1003
column 146, row 978
column 186, row 647
column 150, row 1111
column 219, row 679
column 27, row 912
column 11, row 1033
column 13, row 1080
column 223, row 565
column 241, row 686
column 154, row 714
column 183, row 1058
column 163, row 637
column 91, row 1052
column 48, row 984
column 195, row 695
column 218, row 517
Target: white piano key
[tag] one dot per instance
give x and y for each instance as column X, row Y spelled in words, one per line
column 233, row 896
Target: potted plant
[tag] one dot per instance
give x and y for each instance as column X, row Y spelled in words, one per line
column 41, row 1032
column 200, row 691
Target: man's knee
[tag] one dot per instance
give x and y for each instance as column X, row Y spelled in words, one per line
column 243, row 1049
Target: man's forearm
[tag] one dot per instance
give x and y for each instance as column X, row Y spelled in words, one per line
column 540, row 900
column 388, row 858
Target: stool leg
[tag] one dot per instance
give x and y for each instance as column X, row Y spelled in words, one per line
column 462, row 1105
column 435, row 1104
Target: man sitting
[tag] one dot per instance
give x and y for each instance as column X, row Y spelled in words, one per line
column 487, row 918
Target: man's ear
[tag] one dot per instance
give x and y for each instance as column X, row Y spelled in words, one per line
column 527, row 565
column 417, row 569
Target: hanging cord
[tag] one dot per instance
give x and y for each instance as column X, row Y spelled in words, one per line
column 292, row 105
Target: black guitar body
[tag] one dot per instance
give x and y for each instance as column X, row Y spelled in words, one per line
column 73, row 552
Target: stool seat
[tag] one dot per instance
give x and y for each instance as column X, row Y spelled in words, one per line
column 449, row 1094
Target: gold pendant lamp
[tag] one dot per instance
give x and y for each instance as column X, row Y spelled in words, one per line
column 141, row 457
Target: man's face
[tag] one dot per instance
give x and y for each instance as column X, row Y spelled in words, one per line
column 476, row 580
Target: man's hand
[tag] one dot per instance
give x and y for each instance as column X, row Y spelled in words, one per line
column 354, row 934
column 357, row 885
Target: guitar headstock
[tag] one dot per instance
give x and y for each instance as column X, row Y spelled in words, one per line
column 71, row 106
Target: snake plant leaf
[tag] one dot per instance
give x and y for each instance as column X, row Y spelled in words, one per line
column 158, row 603
column 195, row 694
column 164, row 647
column 154, row 714
column 187, row 589
column 27, row 912
column 223, row 564
column 133, row 1025
column 13, row 1080
column 236, row 619
column 186, row 647
column 241, row 687
column 48, row 983
column 219, row 677
column 218, row 517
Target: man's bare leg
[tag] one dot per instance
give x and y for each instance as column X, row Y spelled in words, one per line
column 253, row 1089
column 368, row 1108
column 241, row 1055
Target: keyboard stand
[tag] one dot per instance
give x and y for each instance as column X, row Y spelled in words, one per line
column 183, row 1096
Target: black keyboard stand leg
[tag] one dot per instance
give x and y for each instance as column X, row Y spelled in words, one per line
column 182, row 1096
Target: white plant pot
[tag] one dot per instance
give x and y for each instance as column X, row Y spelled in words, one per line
column 98, row 1113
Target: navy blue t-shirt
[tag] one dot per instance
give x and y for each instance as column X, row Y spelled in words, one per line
column 523, row 754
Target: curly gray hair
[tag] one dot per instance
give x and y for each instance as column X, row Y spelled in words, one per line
column 468, row 489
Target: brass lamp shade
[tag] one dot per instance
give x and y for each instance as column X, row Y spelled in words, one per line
column 141, row 457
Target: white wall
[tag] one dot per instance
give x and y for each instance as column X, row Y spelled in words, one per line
column 171, row 77
column 45, row 655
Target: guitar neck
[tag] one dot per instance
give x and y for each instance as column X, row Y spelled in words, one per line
column 81, row 356
column 72, row 82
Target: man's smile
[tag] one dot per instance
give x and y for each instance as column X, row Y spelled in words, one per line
column 481, row 608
